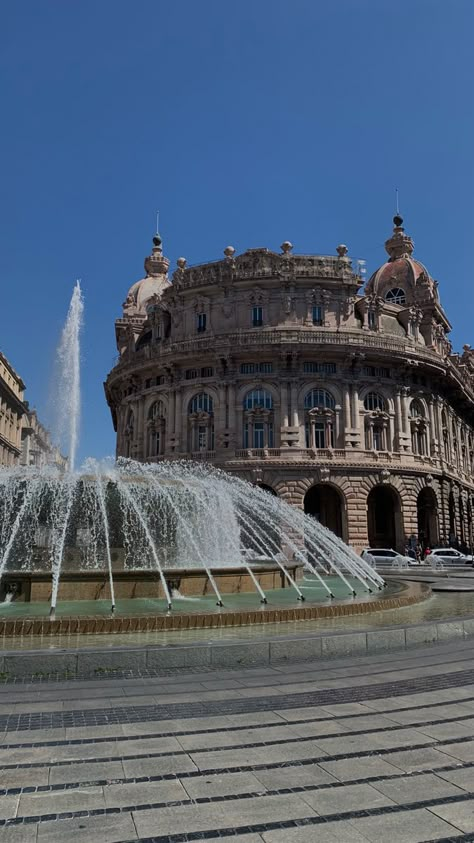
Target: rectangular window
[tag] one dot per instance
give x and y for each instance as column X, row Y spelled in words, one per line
column 371, row 320
column 258, row 435
column 252, row 368
column 311, row 368
column 201, row 322
column 378, row 439
column 191, row 374
column 376, row 371
column 202, row 438
column 160, row 380
column 207, row 372
column 319, row 435
column 318, row 315
column 148, row 383
column 257, row 317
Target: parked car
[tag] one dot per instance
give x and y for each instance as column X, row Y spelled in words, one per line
column 448, row 556
column 386, row 556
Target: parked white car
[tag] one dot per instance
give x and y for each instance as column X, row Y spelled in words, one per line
column 448, row 556
column 387, row 556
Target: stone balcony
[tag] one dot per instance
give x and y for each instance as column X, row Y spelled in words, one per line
column 301, row 336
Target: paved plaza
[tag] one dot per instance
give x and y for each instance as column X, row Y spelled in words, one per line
column 378, row 747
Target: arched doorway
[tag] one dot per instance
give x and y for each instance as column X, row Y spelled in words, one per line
column 384, row 518
column 452, row 517
column 427, row 510
column 267, row 489
column 325, row 504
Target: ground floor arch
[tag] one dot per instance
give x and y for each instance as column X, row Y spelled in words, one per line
column 384, row 518
column 325, row 503
column 266, row 489
column 427, row 514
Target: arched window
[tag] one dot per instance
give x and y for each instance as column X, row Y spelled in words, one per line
column 201, row 403
column 319, row 398
column 418, row 425
column 258, row 398
column 258, row 419
column 396, row 296
column 156, row 424
column 319, row 407
column 417, row 411
column 201, row 423
column 375, row 401
column 376, row 422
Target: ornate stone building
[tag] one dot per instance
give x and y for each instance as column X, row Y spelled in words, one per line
column 36, row 446
column 285, row 370
column 12, row 409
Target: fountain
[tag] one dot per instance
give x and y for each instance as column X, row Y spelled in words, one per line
column 156, row 532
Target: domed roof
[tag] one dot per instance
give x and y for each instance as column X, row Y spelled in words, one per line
column 401, row 271
column 153, row 284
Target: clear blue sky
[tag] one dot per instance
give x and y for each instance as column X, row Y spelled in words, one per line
column 245, row 123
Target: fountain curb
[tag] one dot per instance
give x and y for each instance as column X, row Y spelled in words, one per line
column 97, row 662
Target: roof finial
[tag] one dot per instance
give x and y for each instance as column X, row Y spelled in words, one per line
column 157, row 241
column 397, row 220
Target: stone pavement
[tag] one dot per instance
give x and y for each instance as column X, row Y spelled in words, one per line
column 351, row 750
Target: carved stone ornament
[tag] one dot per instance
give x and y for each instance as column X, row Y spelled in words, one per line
column 385, row 476
column 429, row 479
column 324, row 474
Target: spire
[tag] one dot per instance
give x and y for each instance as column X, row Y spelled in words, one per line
column 156, row 263
column 399, row 245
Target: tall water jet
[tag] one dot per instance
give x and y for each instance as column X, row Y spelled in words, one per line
column 68, row 381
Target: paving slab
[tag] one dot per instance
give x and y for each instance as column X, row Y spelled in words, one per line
column 214, row 816
column 341, row 832
column 338, row 800
column 404, row 827
column 411, row 788
column 106, row 829
column 228, row 784
column 52, row 802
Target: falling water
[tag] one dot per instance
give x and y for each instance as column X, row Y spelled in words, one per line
column 159, row 518
column 67, row 386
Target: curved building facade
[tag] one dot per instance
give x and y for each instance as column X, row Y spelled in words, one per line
column 344, row 399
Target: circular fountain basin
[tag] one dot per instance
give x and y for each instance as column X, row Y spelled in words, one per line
column 240, row 609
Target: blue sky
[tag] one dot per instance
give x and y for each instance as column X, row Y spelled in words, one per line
column 245, row 123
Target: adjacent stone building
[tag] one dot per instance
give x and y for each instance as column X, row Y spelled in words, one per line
column 36, row 447
column 346, row 400
column 12, row 409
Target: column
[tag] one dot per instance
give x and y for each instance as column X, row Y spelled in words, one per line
column 178, row 422
column 284, row 403
column 295, row 422
column 172, row 416
column 234, row 435
column 391, row 434
column 347, row 407
column 398, row 418
column 406, row 421
column 355, row 413
column 433, row 443
column 220, row 418
column 337, row 431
